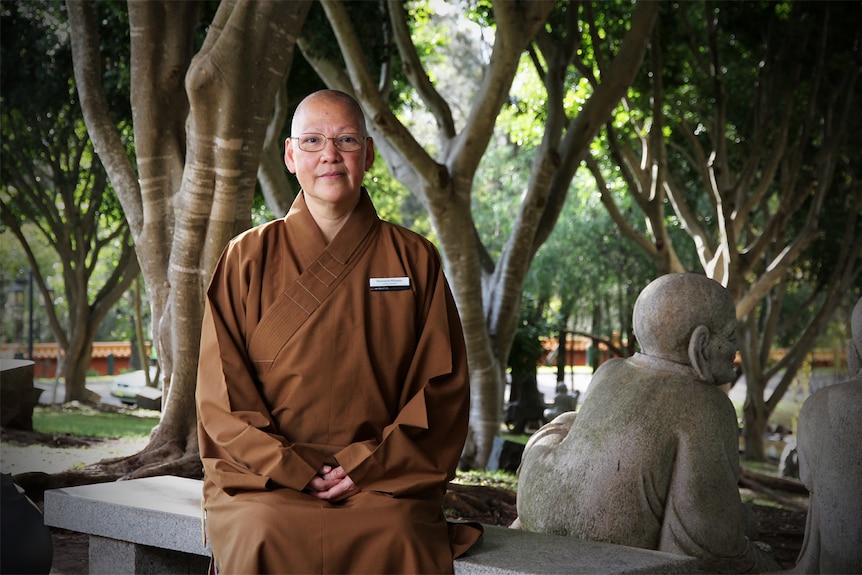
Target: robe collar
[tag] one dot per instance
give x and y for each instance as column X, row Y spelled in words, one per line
column 361, row 221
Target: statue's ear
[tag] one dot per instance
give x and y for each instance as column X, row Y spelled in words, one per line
column 698, row 353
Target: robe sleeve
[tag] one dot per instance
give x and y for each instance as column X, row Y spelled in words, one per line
column 419, row 451
column 705, row 478
column 239, row 444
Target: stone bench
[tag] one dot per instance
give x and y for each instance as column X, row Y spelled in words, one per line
column 153, row 525
column 149, row 525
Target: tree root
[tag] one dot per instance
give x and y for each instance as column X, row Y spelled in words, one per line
column 166, row 458
column 481, row 503
column 758, row 481
column 772, row 486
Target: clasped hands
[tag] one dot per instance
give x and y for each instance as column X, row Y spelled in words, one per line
column 331, row 484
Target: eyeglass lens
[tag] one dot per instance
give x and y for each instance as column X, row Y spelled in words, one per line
column 316, row 142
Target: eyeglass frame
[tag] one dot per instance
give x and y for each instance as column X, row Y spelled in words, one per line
column 335, row 141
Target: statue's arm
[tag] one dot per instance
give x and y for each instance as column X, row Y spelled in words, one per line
column 704, row 516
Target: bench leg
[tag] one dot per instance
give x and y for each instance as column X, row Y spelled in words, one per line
column 110, row 557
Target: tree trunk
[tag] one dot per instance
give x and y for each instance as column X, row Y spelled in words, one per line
column 85, row 319
column 277, row 188
column 162, row 49
column 139, row 334
column 488, row 296
column 197, row 172
column 78, row 356
column 755, row 417
column 759, row 481
column 562, row 351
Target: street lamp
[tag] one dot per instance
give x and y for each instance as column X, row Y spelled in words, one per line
column 17, row 290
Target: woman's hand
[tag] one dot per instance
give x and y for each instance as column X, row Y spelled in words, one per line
column 332, row 484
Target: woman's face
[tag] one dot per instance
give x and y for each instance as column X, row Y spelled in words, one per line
column 329, row 176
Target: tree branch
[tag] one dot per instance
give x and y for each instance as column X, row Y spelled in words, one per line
column 415, row 72
column 87, row 60
column 375, row 107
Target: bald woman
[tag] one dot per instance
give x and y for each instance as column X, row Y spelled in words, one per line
column 333, row 389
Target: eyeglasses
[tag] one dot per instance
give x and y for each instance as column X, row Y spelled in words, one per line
column 316, row 142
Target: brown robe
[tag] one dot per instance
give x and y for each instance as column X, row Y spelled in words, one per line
column 304, row 363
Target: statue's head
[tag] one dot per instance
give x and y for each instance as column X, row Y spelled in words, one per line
column 689, row 319
column 854, row 346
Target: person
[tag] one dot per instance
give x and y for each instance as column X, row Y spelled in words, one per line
column 333, row 390
column 563, row 402
column 828, row 444
column 651, row 459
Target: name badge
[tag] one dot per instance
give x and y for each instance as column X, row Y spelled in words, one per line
column 388, row 284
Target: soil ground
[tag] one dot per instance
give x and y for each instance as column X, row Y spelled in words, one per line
column 780, row 528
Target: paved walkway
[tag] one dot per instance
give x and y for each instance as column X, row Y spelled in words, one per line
column 548, row 384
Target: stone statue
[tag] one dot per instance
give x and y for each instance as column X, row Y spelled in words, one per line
column 651, row 459
column 563, row 402
column 829, row 448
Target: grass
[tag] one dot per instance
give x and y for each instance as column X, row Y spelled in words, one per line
column 502, row 479
column 522, row 438
column 765, row 467
column 786, row 413
column 84, row 421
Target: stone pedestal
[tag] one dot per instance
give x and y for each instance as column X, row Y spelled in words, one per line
column 18, row 395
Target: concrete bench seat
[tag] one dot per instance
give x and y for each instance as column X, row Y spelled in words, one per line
column 153, row 525
column 149, row 525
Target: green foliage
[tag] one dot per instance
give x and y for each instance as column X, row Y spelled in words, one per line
column 371, row 21
column 260, row 212
column 55, row 191
column 502, row 479
column 566, row 277
column 36, row 33
column 820, row 258
column 586, row 272
column 83, row 421
column 14, row 269
column 522, row 120
column 526, row 346
column 498, row 188
column 395, row 203
column 521, row 438
column 114, row 33
column 119, row 325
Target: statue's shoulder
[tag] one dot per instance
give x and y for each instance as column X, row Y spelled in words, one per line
column 836, row 397
column 621, row 376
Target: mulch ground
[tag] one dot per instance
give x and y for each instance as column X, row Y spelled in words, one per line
column 783, row 530
column 71, row 553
